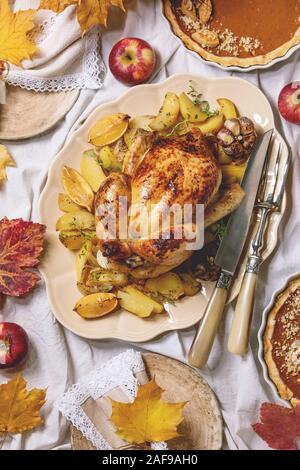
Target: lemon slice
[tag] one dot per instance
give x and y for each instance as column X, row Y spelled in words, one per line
column 109, row 129
column 96, row 305
column 77, row 188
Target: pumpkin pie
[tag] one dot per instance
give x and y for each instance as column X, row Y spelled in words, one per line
column 241, row 33
column 282, row 343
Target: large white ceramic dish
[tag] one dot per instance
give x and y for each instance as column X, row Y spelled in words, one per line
column 235, row 68
column 261, row 337
column 58, row 265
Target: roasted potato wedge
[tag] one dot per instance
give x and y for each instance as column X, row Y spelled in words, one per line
column 82, row 258
column 167, row 115
column 91, row 169
column 108, row 159
column 190, row 285
column 134, row 301
column 74, row 239
column 228, row 108
column 102, row 277
column 139, row 122
column 233, row 173
column 77, row 188
column 120, row 151
column 212, row 125
column 109, row 129
column 80, row 220
column 190, row 111
column 223, row 158
column 169, row 285
column 66, row 204
column 96, row 305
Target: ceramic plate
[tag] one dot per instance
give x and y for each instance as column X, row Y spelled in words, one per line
column 236, row 68
column 58, row 266
column 19, row 118
column 261, row 338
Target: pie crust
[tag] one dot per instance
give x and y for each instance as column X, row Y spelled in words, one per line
column 284, row 391
column 228, row 61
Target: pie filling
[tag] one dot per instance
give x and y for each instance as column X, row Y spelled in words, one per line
column 286, row 342
column 239, row 28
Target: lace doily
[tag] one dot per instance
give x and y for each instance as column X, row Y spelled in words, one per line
column 77, row 65
column 118, row 372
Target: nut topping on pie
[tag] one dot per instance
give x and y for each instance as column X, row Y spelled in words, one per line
column 282, row 343
column 206, row 38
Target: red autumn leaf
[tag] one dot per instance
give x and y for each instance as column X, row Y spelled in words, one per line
column 279, row 427
column 21, row 244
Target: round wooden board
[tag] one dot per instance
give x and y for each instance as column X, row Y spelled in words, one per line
column 202, row 427
column 28, row 114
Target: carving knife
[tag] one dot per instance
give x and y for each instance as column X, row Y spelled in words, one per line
column 229, row 253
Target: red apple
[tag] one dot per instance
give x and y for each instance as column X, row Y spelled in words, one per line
column 132, row 61
column 289, row 102
column 13, row 345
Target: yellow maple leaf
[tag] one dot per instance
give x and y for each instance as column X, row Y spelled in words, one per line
column 89, row 12
column 19, row 408
column 57, row 5
column 5, row 160
column 15, row 45
column 148, row 418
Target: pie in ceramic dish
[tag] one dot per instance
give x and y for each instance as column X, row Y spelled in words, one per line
column 236, row 33
column 281, row 343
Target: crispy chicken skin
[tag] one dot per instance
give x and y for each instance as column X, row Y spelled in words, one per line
column 174, row 170
column 177, row 170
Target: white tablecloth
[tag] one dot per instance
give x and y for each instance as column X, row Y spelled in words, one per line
column 58, row 358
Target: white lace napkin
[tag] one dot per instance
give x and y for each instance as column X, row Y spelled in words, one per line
column 84, row 403
column 64, row 61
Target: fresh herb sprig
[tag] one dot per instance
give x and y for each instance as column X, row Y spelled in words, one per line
column 182, row 125
column 204, row 106
column 219, row 230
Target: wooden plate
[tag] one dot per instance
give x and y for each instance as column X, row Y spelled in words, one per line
column 202, row 426
column 28, row 114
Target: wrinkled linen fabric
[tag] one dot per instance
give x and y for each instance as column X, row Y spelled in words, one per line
column 64, row 60
column 58, row 358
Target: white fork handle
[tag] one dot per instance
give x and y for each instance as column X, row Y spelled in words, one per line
column 240, row 329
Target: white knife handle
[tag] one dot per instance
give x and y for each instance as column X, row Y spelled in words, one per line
column 204, row 338
column 239, row 334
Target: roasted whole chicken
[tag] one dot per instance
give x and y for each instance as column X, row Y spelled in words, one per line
column 161, row 171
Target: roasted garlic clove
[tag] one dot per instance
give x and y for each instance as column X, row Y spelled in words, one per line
column 234, row 126
column 248, row 141
column 205, row 11
column 247, row 126
column 237, row 137
column 225, row 137
column 235, row 151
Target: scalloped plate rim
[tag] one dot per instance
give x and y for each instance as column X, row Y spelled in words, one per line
column 169, row 325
